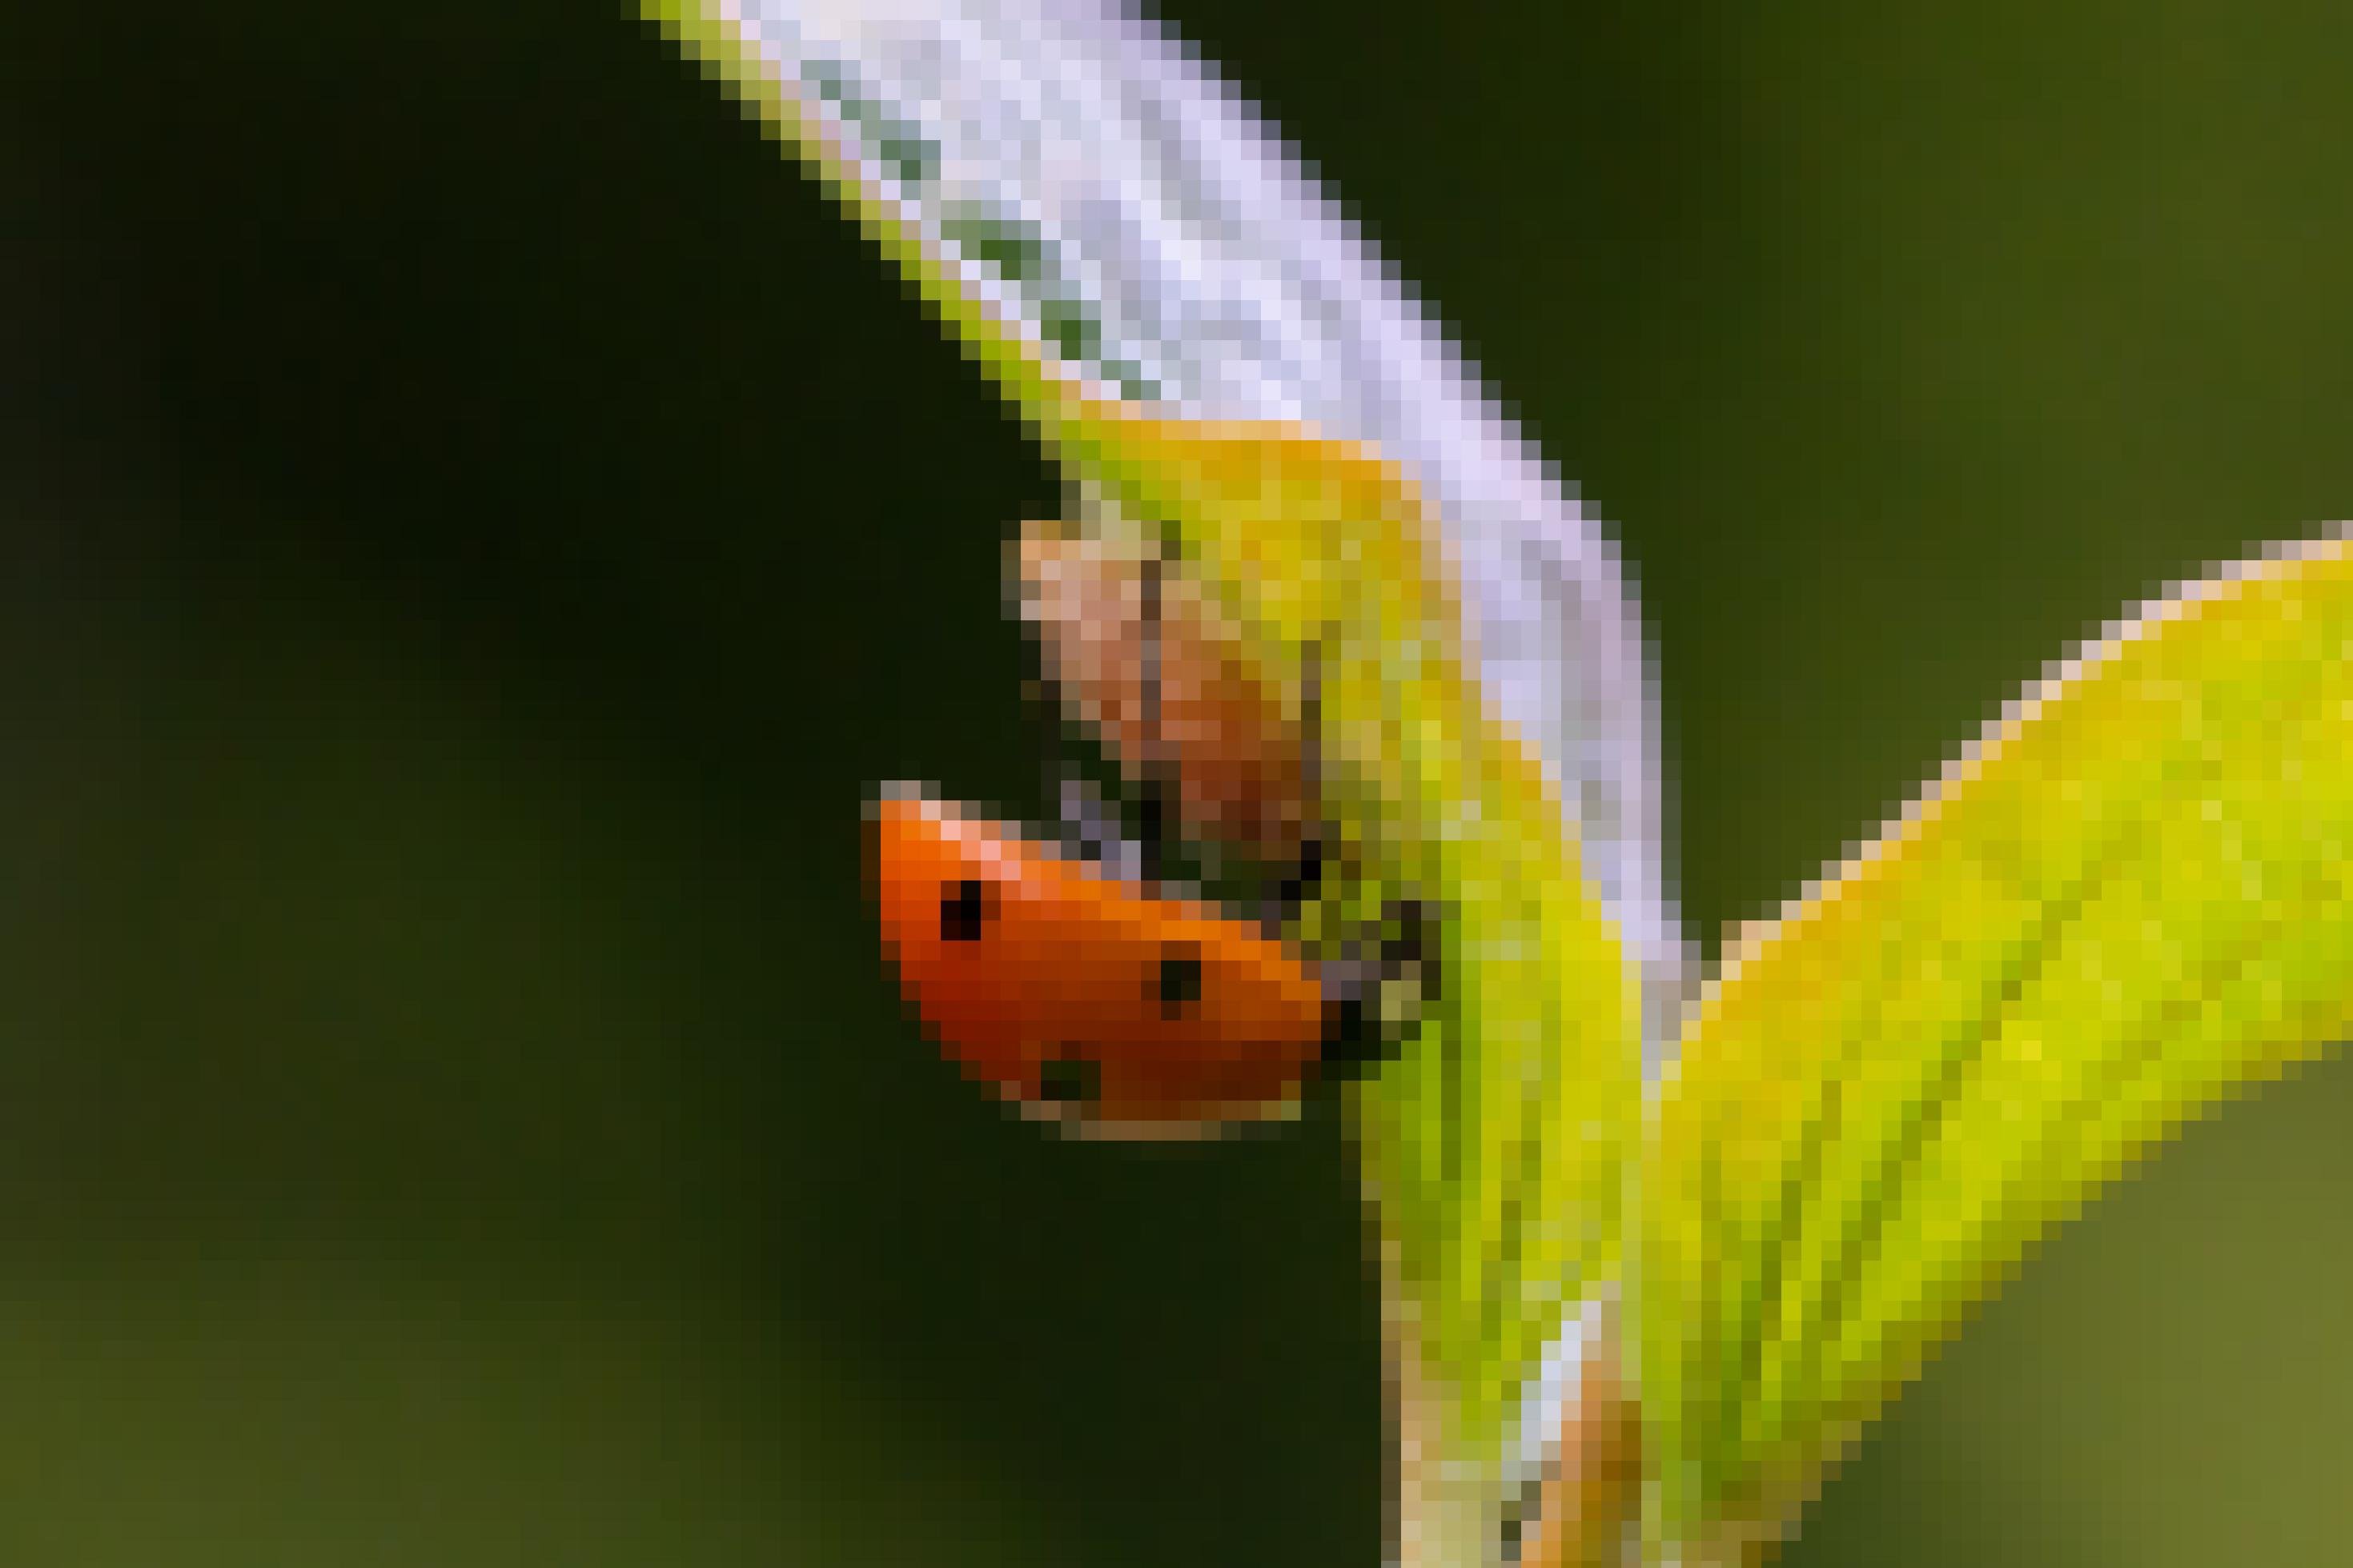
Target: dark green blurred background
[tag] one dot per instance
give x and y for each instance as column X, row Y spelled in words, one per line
column 474, row 524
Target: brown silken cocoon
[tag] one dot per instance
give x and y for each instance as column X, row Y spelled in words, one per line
column 1219, row 735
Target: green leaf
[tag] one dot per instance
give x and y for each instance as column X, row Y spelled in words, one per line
column 1333, row 479
column 2126, row 903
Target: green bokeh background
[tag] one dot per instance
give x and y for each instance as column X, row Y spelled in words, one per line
column 474, row 524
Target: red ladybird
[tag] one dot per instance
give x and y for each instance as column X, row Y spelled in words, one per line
column 1083, row 997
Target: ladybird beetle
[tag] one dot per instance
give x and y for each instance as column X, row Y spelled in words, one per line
column 1085, row 997
column 1089, row 993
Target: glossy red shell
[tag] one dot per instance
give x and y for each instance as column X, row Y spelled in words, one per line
column 1080, row 994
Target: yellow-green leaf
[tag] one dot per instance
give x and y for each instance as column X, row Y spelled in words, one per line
column 2128, row 901
column 1198, row 339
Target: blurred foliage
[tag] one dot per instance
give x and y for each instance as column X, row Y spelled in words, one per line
column 477, row 523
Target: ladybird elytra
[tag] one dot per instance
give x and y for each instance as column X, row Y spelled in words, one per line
column 1080, row 994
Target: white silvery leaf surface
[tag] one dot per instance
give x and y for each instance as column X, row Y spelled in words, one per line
column 1087, row 175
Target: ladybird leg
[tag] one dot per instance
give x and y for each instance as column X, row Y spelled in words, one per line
column 1408, row 962
column 1304, row 880
column 1295, row 889
column 1090, row 827
column 1070, row 1080
column 1409, row 945
column 1355, row 1037
column 1374, row 993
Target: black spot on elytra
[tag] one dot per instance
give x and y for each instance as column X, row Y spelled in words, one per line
column 1176, row 980
column 1070, row 1080
column 962, row 910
